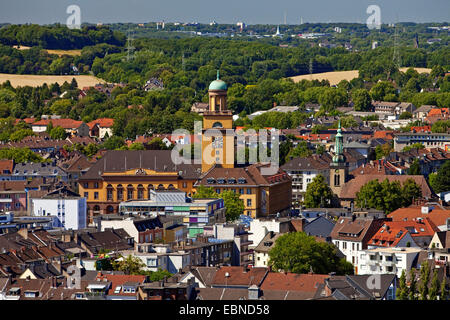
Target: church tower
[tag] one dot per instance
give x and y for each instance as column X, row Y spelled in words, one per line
column 338, row 166
column 217, row 149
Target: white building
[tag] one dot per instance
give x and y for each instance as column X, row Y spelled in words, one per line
column 351, row 235
column 67, row 208
column 386, row 260
column 161, row 257
column 260, row 227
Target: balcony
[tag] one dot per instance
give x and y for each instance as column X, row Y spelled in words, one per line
column 373, row 262
column 388, row 263
column 245, row 253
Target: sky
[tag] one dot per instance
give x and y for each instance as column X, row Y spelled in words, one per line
column 224, row 11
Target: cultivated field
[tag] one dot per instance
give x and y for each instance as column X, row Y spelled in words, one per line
column 58, row 52
column 38, row 80
column 336, row 76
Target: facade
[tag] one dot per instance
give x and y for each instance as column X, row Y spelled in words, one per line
column 13, row 196
column 67, row 209
column 261, row 252
column 351, row 235
column 302, row 171
column 196, row 213
column 260, row 227
column 30, row 170
column 429, row 140
column 142, row 230
column 72, row 127
column 387, row 260
column 263, row 195
column 242, row 255
column 131, row 175
column 101, row 127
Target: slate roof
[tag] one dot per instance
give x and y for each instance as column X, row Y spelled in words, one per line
column 319, row 227
column 109, row 239
column 267, row 242
column 358, row 230
column 251, row 175
column 122, row 160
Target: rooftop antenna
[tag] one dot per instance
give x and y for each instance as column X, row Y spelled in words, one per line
column 285, row 17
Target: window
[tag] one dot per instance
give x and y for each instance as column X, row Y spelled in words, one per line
column 96, row 185
column 152, row 262
column 129, row 192
column 109, row 192
column 95, row 195
column 184, row 184
column 241, row 191
column 85, row 185
column 218, row 191
column 86, row 195
column 249, row 202
column 119, row 192
column 140, row 192
column 249, row 191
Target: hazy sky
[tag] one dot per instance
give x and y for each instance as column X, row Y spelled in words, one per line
column 224, row 11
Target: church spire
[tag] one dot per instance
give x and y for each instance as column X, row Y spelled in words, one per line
column 339, row 146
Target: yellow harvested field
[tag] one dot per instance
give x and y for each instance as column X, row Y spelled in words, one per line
column 419, row 70
column 336, row 76
column 38, row 80
column 58, row 52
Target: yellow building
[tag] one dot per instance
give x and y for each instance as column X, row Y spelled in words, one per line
column 126, row 175
column 263, row 195
column 217, row 135
column 130, row 175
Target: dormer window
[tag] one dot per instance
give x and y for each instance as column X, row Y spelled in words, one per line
column 242, row 181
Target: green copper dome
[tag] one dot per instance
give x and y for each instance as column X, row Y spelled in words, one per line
column 218, row 84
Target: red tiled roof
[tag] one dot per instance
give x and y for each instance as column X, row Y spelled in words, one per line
column 102, row 123
column 438, row 111
column 436, row 216
column 26, row 120
column 352, row 187
column 64, row 123
column 6, row 165
column 119, row 280
column 293, row 282
column 384, row 134
column 238, row 276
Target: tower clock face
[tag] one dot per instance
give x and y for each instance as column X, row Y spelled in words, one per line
column 217, row 143
column 336, row 171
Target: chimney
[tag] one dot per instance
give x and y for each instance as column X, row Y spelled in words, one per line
column 53, row 282
column 253, row 292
